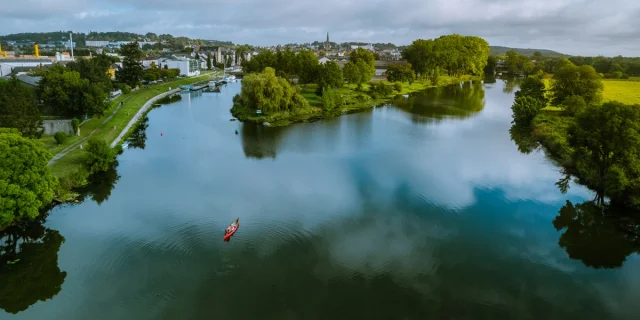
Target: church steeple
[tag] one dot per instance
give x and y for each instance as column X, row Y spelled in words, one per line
column 326, row 44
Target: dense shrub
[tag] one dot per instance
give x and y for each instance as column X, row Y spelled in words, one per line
column 76, row 125
column 60, row 137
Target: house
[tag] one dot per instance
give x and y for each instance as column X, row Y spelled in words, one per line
column 112, row 71
column 324, row 60
column 188, row 67
column 225, row 55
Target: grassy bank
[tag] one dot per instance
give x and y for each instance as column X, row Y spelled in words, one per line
column 132, row 102
column 354, row 100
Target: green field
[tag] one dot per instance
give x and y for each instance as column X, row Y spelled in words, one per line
column 133, row 101
column 625, row 91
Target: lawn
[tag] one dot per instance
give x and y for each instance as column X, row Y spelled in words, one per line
column 132, row 103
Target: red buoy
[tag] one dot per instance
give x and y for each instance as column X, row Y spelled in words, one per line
column 160, row 133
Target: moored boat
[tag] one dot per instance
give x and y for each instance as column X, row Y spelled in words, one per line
column 231, row 229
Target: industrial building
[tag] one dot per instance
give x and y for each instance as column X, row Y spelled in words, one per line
column 188, row 67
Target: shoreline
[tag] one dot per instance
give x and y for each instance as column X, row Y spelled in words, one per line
column 362, row 101
column 68, row 156
column 141, row 112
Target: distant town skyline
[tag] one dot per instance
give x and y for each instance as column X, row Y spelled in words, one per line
column 575, row 27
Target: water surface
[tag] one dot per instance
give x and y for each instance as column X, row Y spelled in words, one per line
column 424, row 208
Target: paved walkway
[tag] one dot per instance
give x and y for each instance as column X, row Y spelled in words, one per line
column 72, row 147
column 139, row 114
column 133, row 121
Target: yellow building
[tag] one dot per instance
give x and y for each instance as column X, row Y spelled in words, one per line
column 112, row 71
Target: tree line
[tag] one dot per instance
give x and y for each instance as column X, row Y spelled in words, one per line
column 598, row 143
column 79, row 88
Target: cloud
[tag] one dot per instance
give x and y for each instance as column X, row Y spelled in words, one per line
column 580, row 27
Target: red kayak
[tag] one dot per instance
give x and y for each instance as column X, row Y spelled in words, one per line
column 231, row 229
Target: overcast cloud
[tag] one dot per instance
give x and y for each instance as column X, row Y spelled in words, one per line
column 578, row 27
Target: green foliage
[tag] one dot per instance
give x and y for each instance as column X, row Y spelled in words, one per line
column 124, row 87
column 365, row 64
column 169, row 99
column 573, row 105
column 454, row 53
column 606, row 149
column 331, row 99
column 99, row 156
column 525, row 108
column 155, row 73
column 397, row 86
column 571, row 80
column 330, row 76
column 26, row 184
column 380, row 89
column 517, row 64
column 18, row 108
column 533, row 87
column 209, row 65
column 400, row 72
column 65, row 93
column 60, row 137
column 492, row 64
column 264, row 91
column 132, row 70
column 94, row 70
column 75, row 123
column 308, row 67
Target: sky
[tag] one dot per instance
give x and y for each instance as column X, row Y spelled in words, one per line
column 576, row 27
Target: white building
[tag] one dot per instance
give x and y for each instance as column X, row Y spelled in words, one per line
column 7, row 65
column 148, row 63
column 91, row 43
column 188, row 67
column 324, row 60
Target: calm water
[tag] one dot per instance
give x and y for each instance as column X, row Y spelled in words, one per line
column 425, row 209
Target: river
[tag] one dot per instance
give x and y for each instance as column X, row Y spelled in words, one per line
column 421, row 209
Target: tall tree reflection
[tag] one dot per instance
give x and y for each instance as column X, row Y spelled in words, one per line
column 593, row 238
column 29, row 269
column 454, row 101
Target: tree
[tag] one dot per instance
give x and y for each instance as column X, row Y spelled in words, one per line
column 209, row 66
column 26, row 184
column 18, row 108
column 571, row 80
column 331, row 99
column 65, row 93
column 492, row 64
column 351, row 73
column 131, row 71
column 454, row 54
column 268, row 93
column 330, row 76
column 573, row 105
column 533, row 87
column 308, row 67
column 366, row 64
column 400, row 72
column 525, row 108
column 605, row 140
column 94, row 70
column 99, row 156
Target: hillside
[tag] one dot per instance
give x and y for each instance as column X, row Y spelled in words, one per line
column 498, row 51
